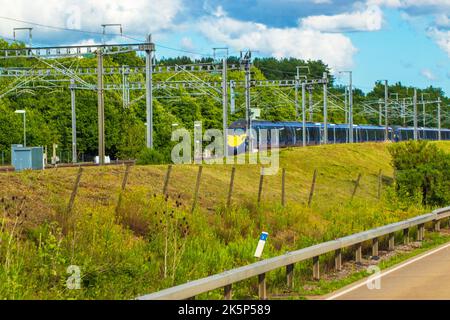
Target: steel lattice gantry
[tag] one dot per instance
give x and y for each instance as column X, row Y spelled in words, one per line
column 89, row 51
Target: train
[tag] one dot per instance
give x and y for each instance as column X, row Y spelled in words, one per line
column 291, row 134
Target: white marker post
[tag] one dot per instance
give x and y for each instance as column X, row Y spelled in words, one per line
column 261, row 244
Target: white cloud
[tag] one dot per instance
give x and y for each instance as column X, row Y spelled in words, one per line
column 427, row 73
column 415, row 11
column 370, row 19
column 410, row 3
column 442, row 39
column 334, row 49
column 419, row 3
column 137, row 16
column 387, row 3
column 186, row 43
column 442, row 20
column 219, row 12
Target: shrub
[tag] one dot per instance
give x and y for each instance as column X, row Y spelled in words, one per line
column 422, row 171
column 151, row 156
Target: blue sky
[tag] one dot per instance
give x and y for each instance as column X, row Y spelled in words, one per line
column 397, row 40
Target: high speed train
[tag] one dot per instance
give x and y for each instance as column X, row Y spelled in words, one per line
column 290, row 134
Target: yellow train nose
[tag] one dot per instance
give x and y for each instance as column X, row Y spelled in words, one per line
column 235, row 141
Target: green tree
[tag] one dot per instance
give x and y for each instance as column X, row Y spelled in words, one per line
column 422, row 171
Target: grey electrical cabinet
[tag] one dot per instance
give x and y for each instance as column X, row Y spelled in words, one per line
column 27, row 158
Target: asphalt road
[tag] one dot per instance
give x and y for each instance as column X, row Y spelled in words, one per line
column 424, row 277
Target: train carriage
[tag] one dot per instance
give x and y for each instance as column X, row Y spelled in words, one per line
column 291, row 134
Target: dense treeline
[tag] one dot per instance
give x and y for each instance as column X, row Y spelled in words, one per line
column 49, row 112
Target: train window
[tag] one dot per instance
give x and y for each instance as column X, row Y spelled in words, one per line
column 299, row 136
column 311, row 136
column 289, row 136
column 339, row 135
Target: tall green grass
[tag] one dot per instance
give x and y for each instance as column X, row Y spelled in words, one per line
column 153, row 242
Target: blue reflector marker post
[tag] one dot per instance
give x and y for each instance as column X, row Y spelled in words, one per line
column 261, row 244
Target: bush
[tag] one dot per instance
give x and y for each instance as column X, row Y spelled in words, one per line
column 422, row 171
column 151, row 156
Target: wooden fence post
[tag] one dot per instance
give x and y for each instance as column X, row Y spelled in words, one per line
column 380, row 183
column 356, row 186
column 197, row 188
column 313, row 186
column 166, row 180
column 230, row 191
column 125, row 177
column 75, row 190
column 261, row 182
column 65, row 222
column 283, row 188
column 122, row 189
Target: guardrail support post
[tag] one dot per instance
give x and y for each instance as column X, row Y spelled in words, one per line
column 421, row 232
column 262, row 291
column 358, row 254
column 437, row 225
column 290, row 275
column 316, row 268
column 375, row 247
column 406, row 236
column 227, row 292
column 392, row 242
column 338, row 260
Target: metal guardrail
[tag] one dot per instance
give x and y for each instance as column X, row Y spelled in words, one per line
column 259, row 269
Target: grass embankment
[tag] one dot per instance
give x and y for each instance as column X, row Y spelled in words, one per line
column 150, row 243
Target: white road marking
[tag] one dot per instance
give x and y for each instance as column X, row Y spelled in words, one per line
column 388, row 272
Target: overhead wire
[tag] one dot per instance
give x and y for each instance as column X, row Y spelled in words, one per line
column 97, row 33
